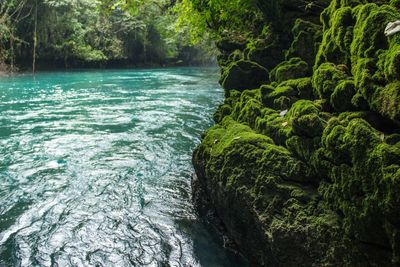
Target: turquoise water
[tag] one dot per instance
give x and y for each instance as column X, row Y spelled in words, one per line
column 95, row 168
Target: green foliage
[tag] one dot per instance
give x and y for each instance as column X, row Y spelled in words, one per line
column 79, row 32
column 228, row 19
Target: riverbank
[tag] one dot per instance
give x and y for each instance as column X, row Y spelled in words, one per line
column 6, row 71
column 303, row 164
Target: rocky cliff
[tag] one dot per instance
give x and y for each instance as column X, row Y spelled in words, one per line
column 303, row 163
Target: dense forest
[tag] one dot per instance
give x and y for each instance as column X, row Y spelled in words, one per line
column 79, row 33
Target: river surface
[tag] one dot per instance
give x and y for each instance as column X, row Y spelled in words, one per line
column 95, row 168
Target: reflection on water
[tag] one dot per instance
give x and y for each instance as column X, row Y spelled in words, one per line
column 95, row 168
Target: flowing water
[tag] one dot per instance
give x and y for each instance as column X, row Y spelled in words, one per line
column 95, row 168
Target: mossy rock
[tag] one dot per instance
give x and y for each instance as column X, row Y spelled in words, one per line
column 387, row 101
column 286, row 93
column 236, row 56
column 305, row 119
column 305, row 34
column 287, row 70
column 393, row 139
column 222, row 111
column 259, row 180
column 272, row 124
column 280, row 98
column 341, row 99
column 395, row 3
column 364, row 181
column 248, row 107
column 266, row 51
column 326, row 78
column 338, row 36
column 242, row 75
column 229, row 46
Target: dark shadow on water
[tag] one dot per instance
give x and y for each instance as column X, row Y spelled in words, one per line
column 208, row 245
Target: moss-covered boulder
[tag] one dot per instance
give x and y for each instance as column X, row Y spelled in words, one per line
column 243, row 74
column 325, row 79
column 248, row 173
column 364, row 183
column 307, row 38
column 286, row 93
column 287, row 70
column 341, row 99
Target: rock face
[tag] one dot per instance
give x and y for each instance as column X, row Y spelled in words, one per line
column 303, row 164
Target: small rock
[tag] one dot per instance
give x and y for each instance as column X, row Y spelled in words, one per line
column 392, row 28
column 283, row 113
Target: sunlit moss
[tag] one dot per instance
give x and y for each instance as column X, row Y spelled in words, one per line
column 291, row 69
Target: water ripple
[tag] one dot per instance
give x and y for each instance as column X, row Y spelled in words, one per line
column 95, row 168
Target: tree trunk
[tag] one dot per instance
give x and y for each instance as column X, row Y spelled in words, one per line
column 34, row 41
column 12, row 51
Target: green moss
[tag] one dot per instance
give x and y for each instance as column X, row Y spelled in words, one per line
column 341, row 99
column 387, row 101
column 272, row 124
column 243, row 74
column 249, row 113
column 303, row 148
column 280, row 98
column 291, row 69
column 337, row 38
column 364, row 180
column 229, row 132
column 303, row 86
column 232, row 96
column 265, row 50
column 376, row 58
column 389, row 60
column 222, row 111
column 326, row 78
column 359, row 101
column 248, row 107
column 305, row 34
column 369, row 30
column 286, row 93
column 393, row 139
column 305, row 119
column 395, row 3
column 236, row 56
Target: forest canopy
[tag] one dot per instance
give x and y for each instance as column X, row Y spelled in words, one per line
column 76, row 33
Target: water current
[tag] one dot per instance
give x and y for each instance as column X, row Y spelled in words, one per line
column 95, row 168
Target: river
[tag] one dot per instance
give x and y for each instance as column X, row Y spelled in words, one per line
column 95, row 168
